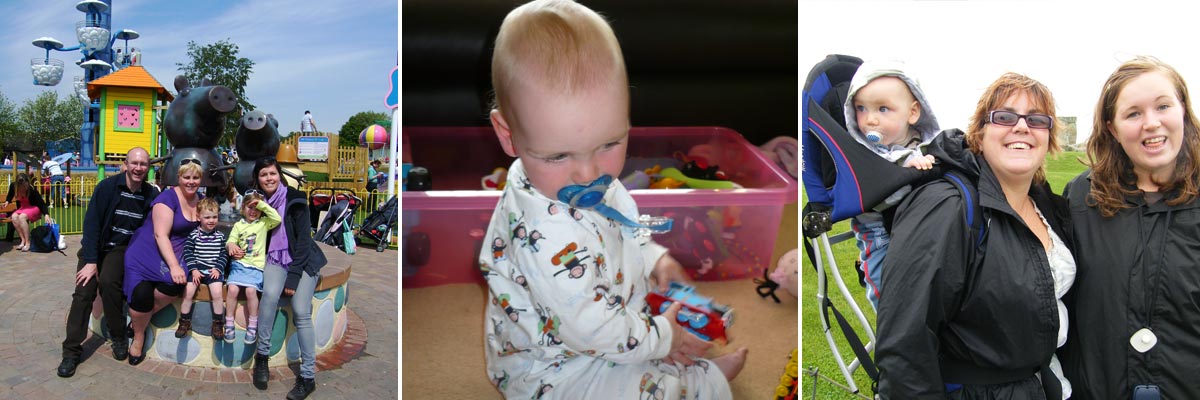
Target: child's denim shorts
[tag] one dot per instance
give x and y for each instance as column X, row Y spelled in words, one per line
column 245, row 276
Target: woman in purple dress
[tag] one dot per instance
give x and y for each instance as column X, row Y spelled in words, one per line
column 154, row 275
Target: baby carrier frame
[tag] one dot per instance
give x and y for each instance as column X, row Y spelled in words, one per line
column 838, row 186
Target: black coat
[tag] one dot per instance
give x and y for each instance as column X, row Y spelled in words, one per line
column 1145, row 256
column 947, row 319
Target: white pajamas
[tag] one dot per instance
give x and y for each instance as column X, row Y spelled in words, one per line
column 567, row 315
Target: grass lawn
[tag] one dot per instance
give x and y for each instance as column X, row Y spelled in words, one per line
column 816, row 354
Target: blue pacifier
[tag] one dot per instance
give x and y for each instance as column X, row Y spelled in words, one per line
column 874, row 137
column 592, row 197
column 579, row 196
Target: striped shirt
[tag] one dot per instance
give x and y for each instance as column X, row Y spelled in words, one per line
column 130, row 214
column 205, row 250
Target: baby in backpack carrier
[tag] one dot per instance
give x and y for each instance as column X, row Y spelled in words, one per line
column 887, row 112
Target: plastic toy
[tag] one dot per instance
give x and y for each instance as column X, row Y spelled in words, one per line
column 496, row 180
column 636, row 180
column 697, row 183
column 786, row 272
column 667, row 183
column 696, row 166
column 700, row 315
column 788, row 388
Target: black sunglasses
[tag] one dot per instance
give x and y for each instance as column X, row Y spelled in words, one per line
column 1009, row 118
column 190, row 161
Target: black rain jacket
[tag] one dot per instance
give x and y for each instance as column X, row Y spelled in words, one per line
column 1144, row 258
column 947, row 319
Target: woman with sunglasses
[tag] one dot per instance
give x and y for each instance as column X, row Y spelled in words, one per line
column 1137, row 216
column 30, row 208
column 980, row 316
column 154, row 274
column 293, row 264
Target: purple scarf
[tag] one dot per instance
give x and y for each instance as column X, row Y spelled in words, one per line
column 279, row 253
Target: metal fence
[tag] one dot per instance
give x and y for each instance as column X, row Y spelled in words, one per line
column 70, row 199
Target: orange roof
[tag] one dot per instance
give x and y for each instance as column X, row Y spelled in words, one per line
column 133, row 76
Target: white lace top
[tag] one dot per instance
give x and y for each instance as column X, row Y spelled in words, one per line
column 1062, row 267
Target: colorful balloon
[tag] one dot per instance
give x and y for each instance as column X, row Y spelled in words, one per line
column 373, row 137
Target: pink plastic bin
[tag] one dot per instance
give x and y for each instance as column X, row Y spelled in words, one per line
column 718, row 234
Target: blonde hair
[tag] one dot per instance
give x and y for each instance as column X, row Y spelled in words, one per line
column 1006, row 86
column 557, row 45
column 1112, row 171
column 207, row 204
column 187, row 168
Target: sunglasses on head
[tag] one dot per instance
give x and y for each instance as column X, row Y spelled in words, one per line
column 252, row 192
column 1009, row 118
column 187, row 161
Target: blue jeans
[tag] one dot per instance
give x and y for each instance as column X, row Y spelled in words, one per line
column 872, row 241
column 274, row 277
column 56, row 181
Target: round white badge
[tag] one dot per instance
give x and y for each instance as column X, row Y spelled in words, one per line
column 1143, row 340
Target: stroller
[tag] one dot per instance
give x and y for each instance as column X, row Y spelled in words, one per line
column 839, row 186
column 337, row 228
column 378, row 226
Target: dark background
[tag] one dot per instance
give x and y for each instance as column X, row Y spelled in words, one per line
column 690, row 63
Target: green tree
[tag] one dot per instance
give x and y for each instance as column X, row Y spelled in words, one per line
column 10, row 124
column 46, row 118
column 348, row 136
column 220, row 64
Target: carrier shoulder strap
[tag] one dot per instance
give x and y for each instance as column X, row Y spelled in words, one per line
column 973, row 213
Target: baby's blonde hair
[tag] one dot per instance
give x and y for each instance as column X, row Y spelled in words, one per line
column 558, row 45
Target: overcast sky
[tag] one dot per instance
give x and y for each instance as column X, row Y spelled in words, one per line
column 957, row 48
column 329, row 56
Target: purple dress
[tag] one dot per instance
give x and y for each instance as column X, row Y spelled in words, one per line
column 142, row 260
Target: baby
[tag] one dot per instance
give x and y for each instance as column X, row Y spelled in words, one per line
column 887, row 112
column 568, row 314
column 205, row 256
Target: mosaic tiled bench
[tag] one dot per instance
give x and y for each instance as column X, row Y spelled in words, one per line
column 199, row 349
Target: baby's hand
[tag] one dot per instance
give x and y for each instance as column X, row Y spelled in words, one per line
column 196, row 277
column 214, row 273
column 667, row 270
column 921, row 163
column 684, row 344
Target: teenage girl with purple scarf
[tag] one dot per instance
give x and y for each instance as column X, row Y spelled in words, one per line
column 293, row 265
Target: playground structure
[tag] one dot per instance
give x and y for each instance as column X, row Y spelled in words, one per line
column 99, row 59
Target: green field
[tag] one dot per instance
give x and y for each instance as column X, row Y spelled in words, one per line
column 816, row 354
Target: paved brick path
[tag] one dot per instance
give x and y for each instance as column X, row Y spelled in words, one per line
column 35, row 293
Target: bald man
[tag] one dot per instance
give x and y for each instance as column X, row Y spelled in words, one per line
column 118, row 207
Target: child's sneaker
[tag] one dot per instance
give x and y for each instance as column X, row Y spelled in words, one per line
column 230, row 334
column 251, row 334
column 185, row 325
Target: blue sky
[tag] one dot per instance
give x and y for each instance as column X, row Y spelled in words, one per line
column 332, row 57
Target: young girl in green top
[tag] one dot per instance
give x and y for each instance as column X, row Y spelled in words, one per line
column 247, row 246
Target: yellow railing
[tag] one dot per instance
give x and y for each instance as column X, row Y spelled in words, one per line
column 78, row 193
column 69, row 206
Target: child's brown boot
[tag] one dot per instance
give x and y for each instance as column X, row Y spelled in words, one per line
column 185, row 325
column 218, row 328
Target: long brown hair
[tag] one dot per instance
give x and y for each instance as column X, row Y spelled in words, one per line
column 1008, row 85
column 1112, row 170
